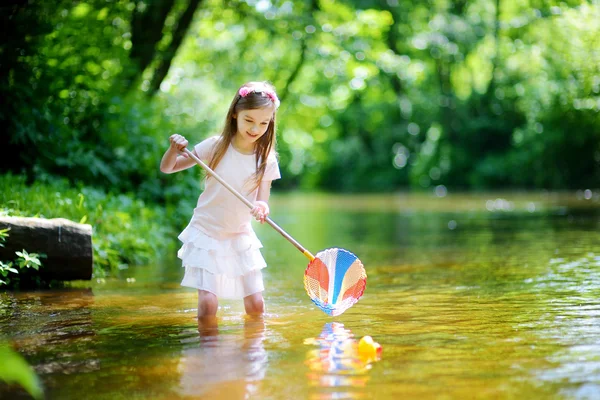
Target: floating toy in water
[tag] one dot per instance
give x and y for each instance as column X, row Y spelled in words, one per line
column 368, row 348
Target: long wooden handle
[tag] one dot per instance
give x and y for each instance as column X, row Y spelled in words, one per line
column 249, row 204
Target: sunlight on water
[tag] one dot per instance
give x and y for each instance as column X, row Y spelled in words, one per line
column 470, row 297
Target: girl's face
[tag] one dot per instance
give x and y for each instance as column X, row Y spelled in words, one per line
column 251, row 126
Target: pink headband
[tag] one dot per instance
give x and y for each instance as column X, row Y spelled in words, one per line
column 246, row 90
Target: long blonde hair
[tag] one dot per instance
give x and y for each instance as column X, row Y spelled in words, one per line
column 260, row 95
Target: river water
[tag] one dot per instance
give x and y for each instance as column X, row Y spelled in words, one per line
column 471, row 296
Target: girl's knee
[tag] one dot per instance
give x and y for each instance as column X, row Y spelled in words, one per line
column 254, row 304
column 208, row 303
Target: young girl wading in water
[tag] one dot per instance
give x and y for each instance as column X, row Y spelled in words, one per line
column 220, row 252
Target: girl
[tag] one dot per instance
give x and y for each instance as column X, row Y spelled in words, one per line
column 220, row 252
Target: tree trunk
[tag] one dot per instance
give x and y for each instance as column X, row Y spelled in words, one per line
column 285, row 91
column 147, row 24
column 66, row 244
column 178, row 35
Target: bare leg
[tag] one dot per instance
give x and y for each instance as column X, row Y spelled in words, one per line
column 254, row 326
column 254, row 304
column 208, row 304
column 208, row 327
column 254, row 335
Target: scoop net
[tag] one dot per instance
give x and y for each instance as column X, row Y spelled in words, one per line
column 335, row 280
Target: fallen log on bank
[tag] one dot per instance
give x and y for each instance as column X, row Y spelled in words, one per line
column 66, row 244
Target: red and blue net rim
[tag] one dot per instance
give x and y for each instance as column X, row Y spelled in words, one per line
column 335, row 280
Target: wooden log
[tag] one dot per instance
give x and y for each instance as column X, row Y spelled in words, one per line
column 67, row 245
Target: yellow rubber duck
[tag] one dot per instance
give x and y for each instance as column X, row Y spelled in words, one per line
column 368, row 348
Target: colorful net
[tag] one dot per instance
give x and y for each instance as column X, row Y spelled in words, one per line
column 335, row 280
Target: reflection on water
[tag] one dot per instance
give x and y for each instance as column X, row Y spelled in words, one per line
column 56, row 323
column 224, row 365
column 336, row 364
column 469, row 296
column 59, row 317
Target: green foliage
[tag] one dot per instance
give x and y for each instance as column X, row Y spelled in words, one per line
column 376, row 95
column 23, row 260
column 28, row 260
column 6, row 268
column 3, row 236
column 15, row 370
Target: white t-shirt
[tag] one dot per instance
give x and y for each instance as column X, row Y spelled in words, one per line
column 219, row 213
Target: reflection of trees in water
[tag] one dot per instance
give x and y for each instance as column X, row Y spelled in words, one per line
column 70, row 324
column 335, row 367
column 224, row 365
column 53, row 328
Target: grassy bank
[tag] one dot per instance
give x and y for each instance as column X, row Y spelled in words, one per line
column 126, row 230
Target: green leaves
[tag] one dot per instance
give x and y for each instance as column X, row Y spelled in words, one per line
column 15, row 370
column 29, row 260
column 23, row 260
column 3, row 236
column 5, row 269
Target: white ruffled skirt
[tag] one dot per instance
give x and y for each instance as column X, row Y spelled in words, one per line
column 230, row 268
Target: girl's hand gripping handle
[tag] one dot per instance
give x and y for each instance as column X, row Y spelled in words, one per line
column 179, row 143
column 250, row 205
column 260, row 211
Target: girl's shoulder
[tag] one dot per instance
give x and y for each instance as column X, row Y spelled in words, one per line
column 205, row 147
column 273, row 156
column 211, row 140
